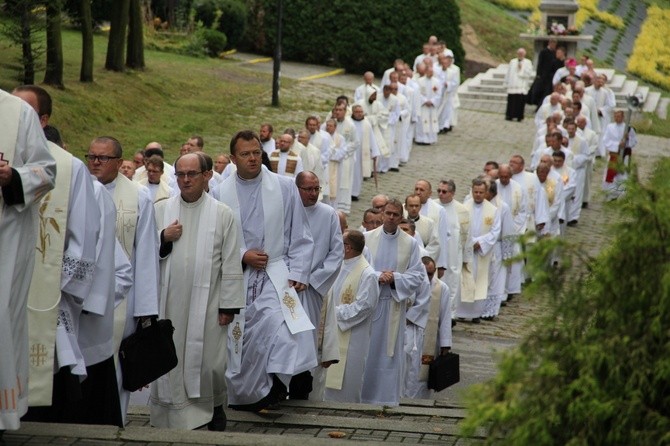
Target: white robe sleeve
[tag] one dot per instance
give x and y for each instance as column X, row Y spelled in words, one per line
column 408, row 282
column 298, row 242
column 145, row 259
column 488, row 239
column 323, row 276
column 444, row 324
column 418, row 312
column 83, row 230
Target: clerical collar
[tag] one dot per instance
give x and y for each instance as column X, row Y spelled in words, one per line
column 390, row 233
column 256, row 179
column 415, row 219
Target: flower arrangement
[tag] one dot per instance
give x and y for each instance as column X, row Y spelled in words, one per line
column 559, row 29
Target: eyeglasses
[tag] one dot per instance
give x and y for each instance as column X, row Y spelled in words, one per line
column 254, row 153
column 192, row 174
column 442, row 191
column 315, row 190
column 103, row 159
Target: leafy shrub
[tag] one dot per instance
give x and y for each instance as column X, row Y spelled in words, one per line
column 214, row 42
column 356, row 35
column 227, row 16
column 652, row 44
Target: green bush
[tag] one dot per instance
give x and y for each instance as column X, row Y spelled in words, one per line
column 206, row 42
column 355, row 35
column 595, row 370
column 227, row 16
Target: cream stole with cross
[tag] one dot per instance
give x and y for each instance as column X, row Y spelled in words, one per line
column 348, row 293
column 45, row 293
column 430, row 333
column 126, row 199
column 404, row 245
column 483, row 262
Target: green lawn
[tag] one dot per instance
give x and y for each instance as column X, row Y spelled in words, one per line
column 175, row 97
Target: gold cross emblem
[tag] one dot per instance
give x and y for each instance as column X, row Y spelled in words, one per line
column 38, row 354
column 289, row 301
column 237, row 335
column 347, row 296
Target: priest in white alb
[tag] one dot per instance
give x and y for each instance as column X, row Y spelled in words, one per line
column 27, row 173
column 485, row 226
column 326, row 262
column 396, row 260
column 266, row 344
column 353, row 299
column 136, row 231
column 428, row 331
column 201, row 291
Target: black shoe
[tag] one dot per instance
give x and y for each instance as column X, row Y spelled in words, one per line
column 218, row 422
column 300, row 386
column 476, row 320
column 354, row 198
column 487, row 318
column 394, row 169
column 453, row 323
column 503, row 304
column 585, row 205
column 520, row 119
column 510, row 297
column 572, row 223
column 449, row 129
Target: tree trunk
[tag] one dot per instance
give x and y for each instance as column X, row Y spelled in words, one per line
column 27, row 47
column 86, row 74
column 54, row 69
column 117, row 35
column 135, row 51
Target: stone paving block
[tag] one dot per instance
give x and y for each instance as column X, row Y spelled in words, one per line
column 62, row 440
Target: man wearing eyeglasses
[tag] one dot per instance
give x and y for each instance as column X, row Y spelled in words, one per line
column 201, row 291
column 136, row 231
column 396, row 259
column 267, row 341
column 326, row 261
column 27, row 173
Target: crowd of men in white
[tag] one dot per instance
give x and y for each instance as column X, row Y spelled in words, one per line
column 250, row 256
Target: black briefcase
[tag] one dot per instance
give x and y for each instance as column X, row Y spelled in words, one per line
column 444, row 371
column 147, row 354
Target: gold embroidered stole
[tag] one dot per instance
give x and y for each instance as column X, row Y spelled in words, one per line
column 430, row 333
column 333, row 168
column 45, row 287
column 291, row 162
column 550, row 189
column 482, row 276
column 348, row 293
column 404, row 245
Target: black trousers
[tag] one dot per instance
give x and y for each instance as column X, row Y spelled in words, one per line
column 516, row 103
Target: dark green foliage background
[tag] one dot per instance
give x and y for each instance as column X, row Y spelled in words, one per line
column 353, row 34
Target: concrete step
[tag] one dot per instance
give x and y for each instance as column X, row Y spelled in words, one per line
column 662, row 108
column 617, row 82
column 484, row 95
column 609, row 72
column 653, row 99
column 629, row 88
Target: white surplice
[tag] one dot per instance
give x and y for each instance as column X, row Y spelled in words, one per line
column 24, row 147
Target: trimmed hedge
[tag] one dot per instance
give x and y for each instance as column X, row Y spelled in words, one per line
column 651, row 54
column 357, row 36
column 232, row 18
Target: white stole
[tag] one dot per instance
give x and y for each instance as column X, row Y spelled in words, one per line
column 276, row 269
column 430, row 333
column 402, row 261
column 195, row 332
column 348, row 293
column 45, row 288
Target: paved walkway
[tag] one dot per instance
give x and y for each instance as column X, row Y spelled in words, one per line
column 459, row 155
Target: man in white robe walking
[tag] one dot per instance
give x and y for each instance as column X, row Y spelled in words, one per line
column 326, row 262
column 201, row 291
column 266, row 344
column 396, row 260
column 353, row 299
column 27, row 173
column 136, row 231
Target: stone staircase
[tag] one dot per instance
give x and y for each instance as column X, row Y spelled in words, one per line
column 486, row 92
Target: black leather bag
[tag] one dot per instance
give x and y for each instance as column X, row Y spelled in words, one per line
column 147, row 354
column 444, row 371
